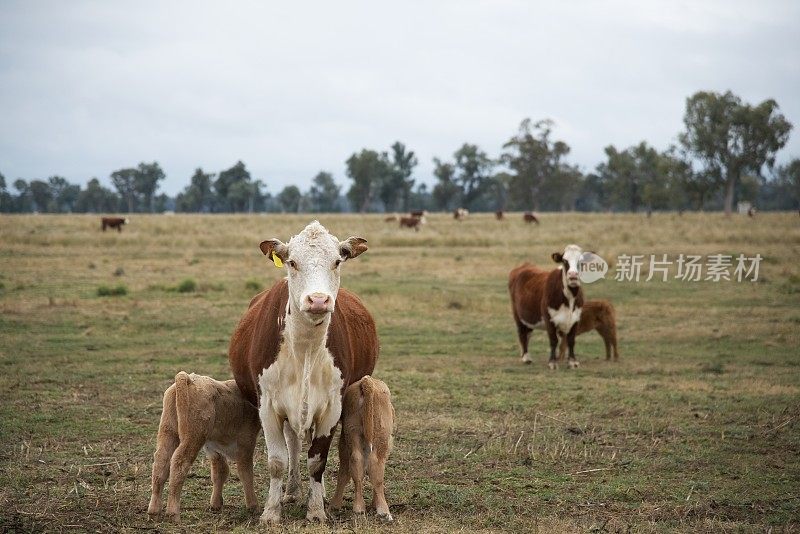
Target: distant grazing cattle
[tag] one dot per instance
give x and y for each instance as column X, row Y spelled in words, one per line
column 596, row 315
column 295, row 350
column 391, row 218
column 499, row 215
column 460, row 214
column 114, row 222
column 202, row 413
column 412, row 222
column 419, row 213
column 530, row 217
column 751, row 212
column 365, row 443
column 549, row 300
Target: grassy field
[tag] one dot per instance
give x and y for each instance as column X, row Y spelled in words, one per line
column 696, row 428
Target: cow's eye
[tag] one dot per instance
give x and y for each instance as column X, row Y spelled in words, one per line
column 292, row 264
column 337, row 263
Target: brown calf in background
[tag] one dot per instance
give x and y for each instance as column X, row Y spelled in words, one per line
column 203, row 413
column 113, row 222
column 367, row 426
column 596, row 315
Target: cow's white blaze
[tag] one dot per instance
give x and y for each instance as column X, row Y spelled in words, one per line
column 572, row 269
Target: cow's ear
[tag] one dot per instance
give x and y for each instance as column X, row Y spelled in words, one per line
column 275, row 246
column 352, row 247
column 557, row 257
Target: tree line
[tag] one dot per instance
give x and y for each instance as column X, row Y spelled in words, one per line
column 719, row 159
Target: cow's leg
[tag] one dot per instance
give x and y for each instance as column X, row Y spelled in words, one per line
column 167, row 443
column 292, row 492
column 553, row 335
column 562, row 347
column 119, row 228
column 572, row 362
column 317, row 459
column 376, row 467
column 605, row 334
column 181, row 462
column 244, row 466
column 524, row 334
column 344, row 471
column 277, row 459
column 357, row 472
column 219, row 474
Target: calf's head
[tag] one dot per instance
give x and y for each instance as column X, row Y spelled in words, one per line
column 570, row 261
column 312, row 259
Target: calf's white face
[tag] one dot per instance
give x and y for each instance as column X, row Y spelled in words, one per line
column 570, row 261
column 312, row 259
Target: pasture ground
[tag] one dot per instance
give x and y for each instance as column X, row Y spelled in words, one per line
column 696, row 428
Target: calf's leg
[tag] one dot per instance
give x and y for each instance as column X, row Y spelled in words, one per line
column 181, row 462
column 167, row 442
column 219, row 474
column 376, row 468
column 244, row 466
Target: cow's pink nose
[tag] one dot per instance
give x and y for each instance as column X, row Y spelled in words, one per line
column 572, row 275
column 318, row 302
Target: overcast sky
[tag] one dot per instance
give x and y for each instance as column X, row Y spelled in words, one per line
column 291, row 88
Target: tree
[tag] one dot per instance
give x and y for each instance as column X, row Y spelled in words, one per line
column 197, row 196
column 146, row 182
column 633, row 177
column 788, row 177
column 730, row 137
column 97, row 199
column 399, row 181
column 473, row 169
column 446, row 193
column 125, row 182
column 533, row 159
column 23, row 202
column 6, row 201
column 289, row 198
column 324, row 193
column 41, row 195
column 368, row 170
column 241, row 193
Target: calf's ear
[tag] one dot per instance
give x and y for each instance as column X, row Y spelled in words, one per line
column 271, row 246
column 557, row 257
column 352, row 247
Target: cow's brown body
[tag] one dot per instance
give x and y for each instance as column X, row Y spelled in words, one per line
column 530, row 217
column 534, row 293
column 597, row 315
column 499, row 215
column 352, row 338
column 113, row 222
column 411, row 222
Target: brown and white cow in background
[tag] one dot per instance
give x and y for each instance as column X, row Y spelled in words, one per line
column 460, row 214
column 295, row 350
column 549, row 300
column 530, row 217
column 412, row 222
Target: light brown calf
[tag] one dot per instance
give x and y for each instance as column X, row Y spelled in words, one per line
column 367, row 427
column 596, row 315
column 203, row 413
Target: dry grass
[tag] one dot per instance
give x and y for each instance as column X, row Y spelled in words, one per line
column 695, row 429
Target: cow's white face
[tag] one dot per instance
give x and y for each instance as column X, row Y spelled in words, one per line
column 312, row 259
column 570, row 261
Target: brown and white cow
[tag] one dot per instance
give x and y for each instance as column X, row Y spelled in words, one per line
column 113, row 222
column 596, row 315
column 460, row 214
column 549, row 300
column 499, row 215
column 297, row 348
column 530, row 217
column 412, row 222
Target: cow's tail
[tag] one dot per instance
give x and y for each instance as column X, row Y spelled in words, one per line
column 182, row 381
column 368, row 409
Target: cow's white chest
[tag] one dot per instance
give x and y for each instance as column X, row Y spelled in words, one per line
column 304, row 394
column 565, row 316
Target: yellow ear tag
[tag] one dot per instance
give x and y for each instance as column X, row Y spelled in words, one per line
column 277, row 261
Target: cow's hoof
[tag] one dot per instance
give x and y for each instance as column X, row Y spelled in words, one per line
column 270, row 517
column 573, row 364
column 385, row 518
column 314, row 516
column 526, row 358
column 552, row 365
